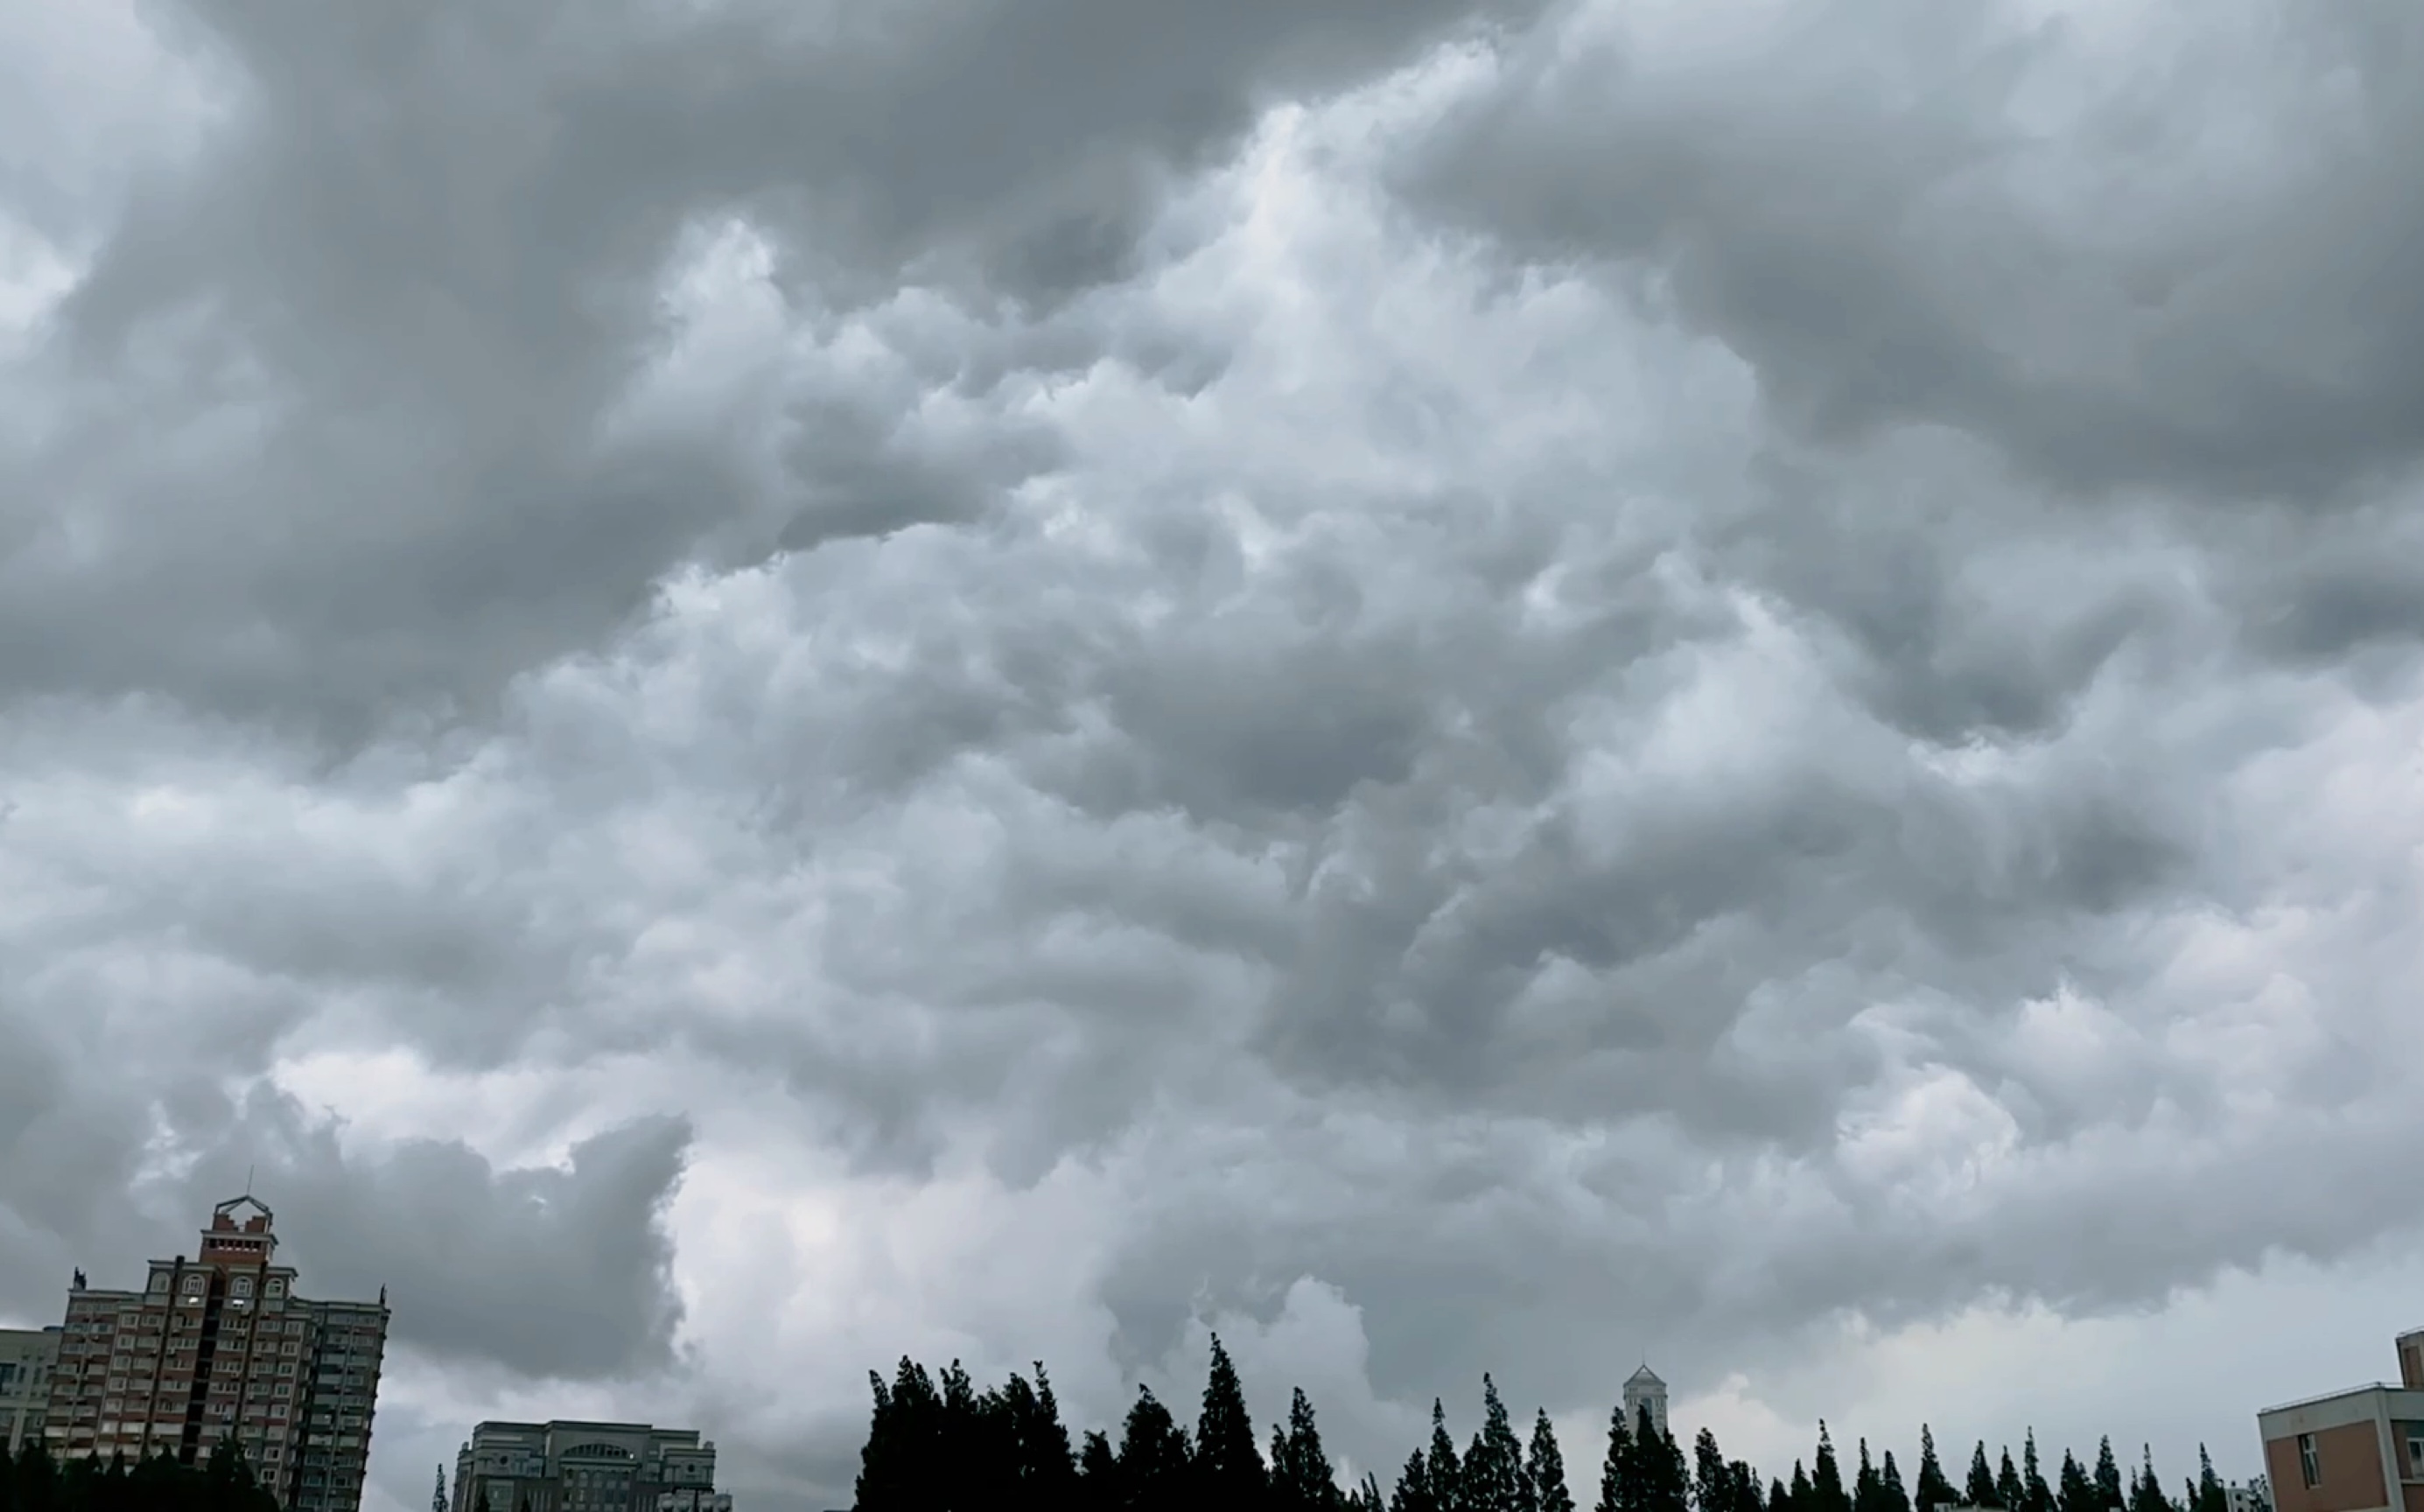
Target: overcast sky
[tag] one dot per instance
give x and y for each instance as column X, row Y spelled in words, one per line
column 1452, row 685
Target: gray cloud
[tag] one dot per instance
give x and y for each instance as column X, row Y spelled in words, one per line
column 1467, row 688
column 337, row 398
column 546, row 1271
column 1895, row 236
column 552, row 1272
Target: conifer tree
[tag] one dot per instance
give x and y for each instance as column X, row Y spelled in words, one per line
column 1098, row 1474
column 1493, row 1466
column 1747, row 1493
column 2035, row 1495
column 1671, row 1479
column 1154, row 1458
column 1712, row 1480
column 1528, row 1490
column 2073, row 1490
column 1803, row 1493
column 1932, row 1490
column 1826, row 1481
column 1779, row 1499
column 1366, row 1495
column 1617, row 1490
column 2108, row 1478
column 2010, row 1491
column 899, row 1462
column 1046, row 1461
column 1301, row 1477
column 1868, row 1492
column 1545, row 1467
column 960, row 1471
column 1893, row 1496
column 1414, row 1492
column 2210, row 1497
column 1446, row 1471
column 2146, row 1491
column 1229, row 1470
column 1984, row 1489
column 1663, row 1478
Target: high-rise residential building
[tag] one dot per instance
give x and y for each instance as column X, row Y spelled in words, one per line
column 586, row 1467
column 220, row 1346
column 2360, row 1450
column 1643, row 1392
column 27, row 1356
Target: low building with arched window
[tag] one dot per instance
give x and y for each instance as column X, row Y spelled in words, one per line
column 575, row 1466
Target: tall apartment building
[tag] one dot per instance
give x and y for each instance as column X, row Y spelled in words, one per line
column 220, row 1346
column 27, row 1357
column 586, row 1467
column 2360, row 1450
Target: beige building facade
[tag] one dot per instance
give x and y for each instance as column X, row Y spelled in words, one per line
column 218, row 1347
column 572, row 1465
column 27, row 1357
column 2360, row 1450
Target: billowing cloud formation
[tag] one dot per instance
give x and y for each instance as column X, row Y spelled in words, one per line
column 337, row 400
column 546, row 1271
column 1452, row 687
column 2033, row 230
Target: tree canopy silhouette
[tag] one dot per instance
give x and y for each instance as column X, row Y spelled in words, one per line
column 937, row 1443
column 223, row 1482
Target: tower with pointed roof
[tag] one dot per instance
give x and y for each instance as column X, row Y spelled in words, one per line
column 220, row 1347
column 1644, row 1390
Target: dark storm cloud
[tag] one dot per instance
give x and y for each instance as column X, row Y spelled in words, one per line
column 334, row 400
column 546, row 1272
column 1131, row 727
column 551, row 1272
column 1860, row 196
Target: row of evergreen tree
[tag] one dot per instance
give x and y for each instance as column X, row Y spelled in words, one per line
column 937, row 1445
column 31, row 1481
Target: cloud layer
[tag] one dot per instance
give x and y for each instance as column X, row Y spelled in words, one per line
column 1453, row 687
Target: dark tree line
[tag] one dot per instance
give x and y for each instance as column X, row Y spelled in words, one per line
column 31, row 1481
column 937, row 1445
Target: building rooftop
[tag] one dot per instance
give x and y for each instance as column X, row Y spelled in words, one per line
column 1644, row 1377
column 2320, row 1397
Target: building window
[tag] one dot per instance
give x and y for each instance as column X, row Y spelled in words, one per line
column 2311, row 1464
column 2415, row 1455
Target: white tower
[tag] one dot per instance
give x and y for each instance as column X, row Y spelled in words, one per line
column 1645, row 1390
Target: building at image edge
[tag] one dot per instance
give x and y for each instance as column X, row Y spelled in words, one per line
column 27, row 1357
column 218, row 1346
column 2360, row 1450
column 570, row 1465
